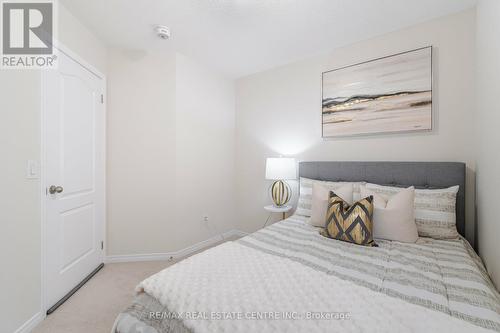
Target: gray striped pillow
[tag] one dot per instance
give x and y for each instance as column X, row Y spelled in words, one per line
column 435, row 213
column 305, row 195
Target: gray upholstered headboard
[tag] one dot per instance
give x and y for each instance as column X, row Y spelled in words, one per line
column 419, row 174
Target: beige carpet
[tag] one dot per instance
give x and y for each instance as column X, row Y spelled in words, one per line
column 94, row 307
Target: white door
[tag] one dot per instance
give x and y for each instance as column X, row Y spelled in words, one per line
column 74, row 131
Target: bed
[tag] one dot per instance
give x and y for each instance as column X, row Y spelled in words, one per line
column 288, row 278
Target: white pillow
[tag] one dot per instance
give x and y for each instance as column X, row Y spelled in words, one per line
column 435, row 214
column 320, row 195
column 304, row 204
column 394, row 216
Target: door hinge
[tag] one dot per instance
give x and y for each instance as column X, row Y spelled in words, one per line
column 102, row 245
column 102, row 99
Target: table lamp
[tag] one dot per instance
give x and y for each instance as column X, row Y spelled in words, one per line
column 280, row 169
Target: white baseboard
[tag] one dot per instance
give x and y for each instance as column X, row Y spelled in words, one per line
column 31, row 323
column 175, row 254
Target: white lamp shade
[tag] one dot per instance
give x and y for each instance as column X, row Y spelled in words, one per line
column 281, row 168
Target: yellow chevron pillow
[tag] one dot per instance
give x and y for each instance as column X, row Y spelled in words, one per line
column 350, row 223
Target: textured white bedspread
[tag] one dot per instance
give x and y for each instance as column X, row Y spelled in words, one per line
column 233, row 280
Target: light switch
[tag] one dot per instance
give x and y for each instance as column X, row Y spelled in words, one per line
column 32, row 169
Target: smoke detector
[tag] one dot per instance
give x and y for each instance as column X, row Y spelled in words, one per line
column 162, row 31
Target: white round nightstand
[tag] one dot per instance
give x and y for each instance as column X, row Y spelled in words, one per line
column 273, row 209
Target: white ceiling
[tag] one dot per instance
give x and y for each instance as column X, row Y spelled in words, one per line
column 241, row 37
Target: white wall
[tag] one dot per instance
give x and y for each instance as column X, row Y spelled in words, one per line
column 488, row 134
column 19, row 198
column 140, row 151
column 170, row 153
column 20, row 272
column 81, row 40
column 205, row 132
column 279, row 112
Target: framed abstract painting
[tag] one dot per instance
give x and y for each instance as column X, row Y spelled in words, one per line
column 386, row 95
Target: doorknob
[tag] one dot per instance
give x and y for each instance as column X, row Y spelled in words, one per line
column 55, row 189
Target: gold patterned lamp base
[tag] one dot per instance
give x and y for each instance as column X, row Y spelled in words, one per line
column 280, row 193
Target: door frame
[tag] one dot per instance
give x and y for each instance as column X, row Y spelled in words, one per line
column 61, row 48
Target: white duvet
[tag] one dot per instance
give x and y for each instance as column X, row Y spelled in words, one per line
column 209, row 288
